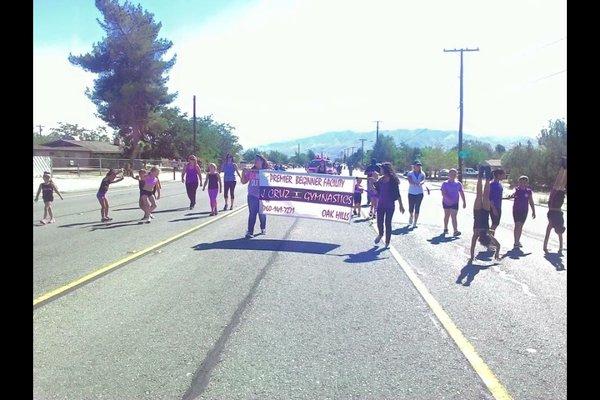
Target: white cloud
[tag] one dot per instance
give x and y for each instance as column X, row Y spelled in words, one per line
column 283, row 69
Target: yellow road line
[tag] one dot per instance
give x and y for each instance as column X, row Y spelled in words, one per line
column 84, row 279
column 485, row 373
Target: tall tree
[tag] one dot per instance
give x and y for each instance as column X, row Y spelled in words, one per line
column 131, row 82
column 385, row 149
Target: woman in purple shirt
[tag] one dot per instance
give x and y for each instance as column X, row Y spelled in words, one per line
column 523, row 198
column 451, row 189
column 388, row 191
column 194, row 178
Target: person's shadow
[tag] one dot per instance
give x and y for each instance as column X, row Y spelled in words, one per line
column 402, row 231
column 515, row 254
column 469, row 271
column 442, row 238
column 556, row 260
column 364, row 256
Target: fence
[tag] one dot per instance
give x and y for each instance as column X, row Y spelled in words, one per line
column 95, row 166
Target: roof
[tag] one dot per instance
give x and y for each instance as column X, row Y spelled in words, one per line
column 60, row 148
column 90, row 145
column 494, row 163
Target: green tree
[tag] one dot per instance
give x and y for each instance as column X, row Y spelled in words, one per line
column 277, row 157
column 436, row 158
column 385, row 149
column 500, row 149
column 131, row 86
column 475, row 152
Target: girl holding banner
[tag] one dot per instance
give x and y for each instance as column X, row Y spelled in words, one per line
column 388, row 191
column 250, row 176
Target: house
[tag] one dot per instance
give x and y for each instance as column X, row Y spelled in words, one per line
column 84, row 153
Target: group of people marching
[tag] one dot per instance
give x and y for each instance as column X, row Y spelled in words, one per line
column 382, row 190
column 150, row 186
column 382, row 193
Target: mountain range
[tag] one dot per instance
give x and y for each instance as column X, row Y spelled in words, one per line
column 333, row 143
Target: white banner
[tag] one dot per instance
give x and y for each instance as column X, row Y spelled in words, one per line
column 317, row 196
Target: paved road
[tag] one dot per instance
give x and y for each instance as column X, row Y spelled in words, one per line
column 311, row 310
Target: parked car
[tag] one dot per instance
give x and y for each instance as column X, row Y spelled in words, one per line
column 443, row 173
column 470, row 172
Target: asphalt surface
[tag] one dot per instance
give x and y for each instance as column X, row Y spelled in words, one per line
column 311, row 310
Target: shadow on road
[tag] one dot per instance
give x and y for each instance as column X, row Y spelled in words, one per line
column 515, row 254
column 402, row 231
column 469, row 271
column 293, row 246
column 126, row 209
column 442, row 239
column 77, row 224
column 364, row 256
column 362, row 220
column 116, row 224
column 556, row 260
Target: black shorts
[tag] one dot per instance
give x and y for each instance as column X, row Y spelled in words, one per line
column 520, row 216
column 357, row 198
column 450, row 207
column 146, row 192
column 557, row 220
column 481, row 219
column 496, row 218
column 48, row 198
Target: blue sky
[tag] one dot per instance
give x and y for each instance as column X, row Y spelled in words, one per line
column 279, row 69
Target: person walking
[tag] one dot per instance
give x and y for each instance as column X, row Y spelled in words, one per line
column 451, row 189
column 192, row 176
column 230, row 169
column 250, row 176
column 388, row 191
column 416, row 180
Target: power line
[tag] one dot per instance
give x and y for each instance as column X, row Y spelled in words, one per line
column 549, row 76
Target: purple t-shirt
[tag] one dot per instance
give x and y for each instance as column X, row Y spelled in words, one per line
column 253, row 182
column 496, row 194
column 451, row 191
column 522, row 196
column 385, row 195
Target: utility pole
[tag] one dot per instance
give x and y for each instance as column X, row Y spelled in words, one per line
column 460, row 123
column 40, row 127
column 194, row 152
column 377, row 134
column 362, row 146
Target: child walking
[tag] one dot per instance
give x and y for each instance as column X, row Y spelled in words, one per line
column 373, row 177
column 47, row 188
column 110, row 178
column 451, row 189
column 358, row 189
column 523, row 197
column 213, row 179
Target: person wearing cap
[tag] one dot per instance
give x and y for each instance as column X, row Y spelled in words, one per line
column 523, row 198
column 416, row 180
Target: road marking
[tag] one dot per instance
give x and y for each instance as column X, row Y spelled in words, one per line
column 485, row 373
column 86, row 278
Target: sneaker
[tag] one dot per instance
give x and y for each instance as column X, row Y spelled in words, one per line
column 248, row 235
column 43, row 221
column 104, row 220
column 109, row 219
column 378, row 239
column 225, row 208
column 147, row 220
column 387, row 245
column 151, row 216
column 518, row 244
column 415, row 225
column 263, row 231
column 191, row 207
column 445, row 231
column 231, row 207
column 52, row 221
column 410, row 220
column 456, row 233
